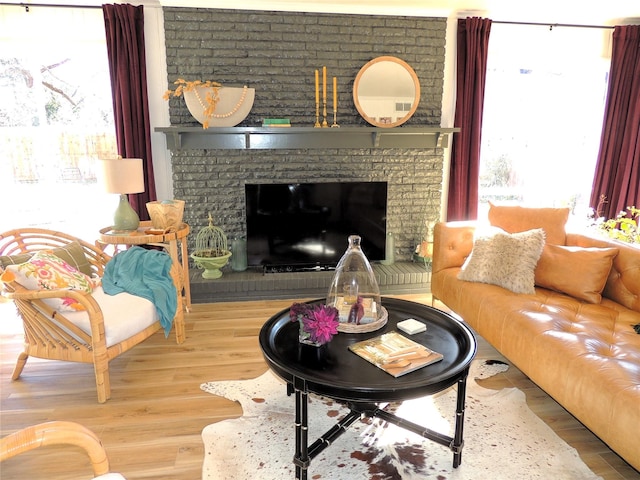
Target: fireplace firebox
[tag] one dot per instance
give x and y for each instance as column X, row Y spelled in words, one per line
column 305, row 226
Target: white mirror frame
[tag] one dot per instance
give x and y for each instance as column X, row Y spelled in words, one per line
column 372, row 75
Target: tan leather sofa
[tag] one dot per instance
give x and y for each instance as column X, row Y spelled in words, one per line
column 585, row 355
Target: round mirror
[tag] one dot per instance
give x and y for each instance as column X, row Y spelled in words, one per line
column 386, row 92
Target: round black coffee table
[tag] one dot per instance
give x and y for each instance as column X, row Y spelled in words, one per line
column 336, row 372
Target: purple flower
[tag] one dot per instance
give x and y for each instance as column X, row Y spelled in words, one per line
column 319, row 321
column 299, row 311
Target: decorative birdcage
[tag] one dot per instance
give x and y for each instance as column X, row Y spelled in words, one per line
column 211, row 252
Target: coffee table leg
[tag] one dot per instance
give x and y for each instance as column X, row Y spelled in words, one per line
column 301, row 457
column 457, row 443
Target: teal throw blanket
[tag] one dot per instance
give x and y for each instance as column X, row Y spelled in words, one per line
column 144, row 273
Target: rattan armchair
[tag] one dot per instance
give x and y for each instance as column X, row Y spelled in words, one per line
column 59, row 433
column 49, row 334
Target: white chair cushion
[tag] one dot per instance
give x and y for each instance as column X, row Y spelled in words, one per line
column 124, row 315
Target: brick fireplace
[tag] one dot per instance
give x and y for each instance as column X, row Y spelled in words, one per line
column 276, row 53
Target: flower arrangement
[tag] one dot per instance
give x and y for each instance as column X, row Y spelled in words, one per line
column 625, row 227
column 318, row 323
column 211, row 99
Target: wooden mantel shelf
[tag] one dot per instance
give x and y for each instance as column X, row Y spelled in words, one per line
column 240, row 138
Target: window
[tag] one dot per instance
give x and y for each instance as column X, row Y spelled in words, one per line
column 544, row 106
column 56, row 120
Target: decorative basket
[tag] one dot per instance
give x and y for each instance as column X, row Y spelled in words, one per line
column 365, row 327
column 166, row 215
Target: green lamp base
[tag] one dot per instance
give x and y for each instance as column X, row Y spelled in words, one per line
column 125, row 219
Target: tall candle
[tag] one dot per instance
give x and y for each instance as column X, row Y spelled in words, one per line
column 324, row 84
column 335, row 94
column 317, row 88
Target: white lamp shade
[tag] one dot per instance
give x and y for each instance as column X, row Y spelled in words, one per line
column 123, row 175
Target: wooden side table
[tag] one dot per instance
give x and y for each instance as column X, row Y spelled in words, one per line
column 167, row 240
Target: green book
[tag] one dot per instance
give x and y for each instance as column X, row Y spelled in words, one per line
column 276, row 121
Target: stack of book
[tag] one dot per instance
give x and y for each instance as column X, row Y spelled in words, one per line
column 276, row 122
column 395, row 354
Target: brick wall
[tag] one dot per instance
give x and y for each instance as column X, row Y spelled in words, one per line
column 276, row 53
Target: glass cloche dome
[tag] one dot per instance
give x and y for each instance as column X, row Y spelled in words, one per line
column 354, row 289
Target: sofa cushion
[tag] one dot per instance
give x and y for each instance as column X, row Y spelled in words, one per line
column 124, row 315
column 623, row 285
column 515, row 219
column 576, row 271
column 506, row 260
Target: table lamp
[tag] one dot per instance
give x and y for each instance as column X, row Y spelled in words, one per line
column 124, row 176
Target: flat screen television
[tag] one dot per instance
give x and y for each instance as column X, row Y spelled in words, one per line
column 297, row 226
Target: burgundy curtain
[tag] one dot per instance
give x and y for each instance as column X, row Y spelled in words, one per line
column 617, row 175
column 124, row 26
column 473, row 44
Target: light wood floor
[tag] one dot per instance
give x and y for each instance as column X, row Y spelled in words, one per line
column 151, row 425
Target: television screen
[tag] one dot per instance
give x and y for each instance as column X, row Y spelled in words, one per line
column 307, row 225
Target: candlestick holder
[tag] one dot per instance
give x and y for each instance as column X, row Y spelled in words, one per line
column 317, row 124
column 335, row 123
column 324, row 114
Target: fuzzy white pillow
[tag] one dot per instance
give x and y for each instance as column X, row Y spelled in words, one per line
column 505, row 259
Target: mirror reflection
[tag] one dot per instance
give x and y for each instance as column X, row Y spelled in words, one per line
column 386, row 92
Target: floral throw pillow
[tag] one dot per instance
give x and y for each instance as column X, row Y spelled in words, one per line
column 45, row 271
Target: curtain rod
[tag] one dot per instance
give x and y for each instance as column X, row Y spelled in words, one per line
column 59, row 5
column 551, row 25
column 506, row 22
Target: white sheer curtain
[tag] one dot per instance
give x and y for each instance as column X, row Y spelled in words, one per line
column 56, row 119
column 544, row 104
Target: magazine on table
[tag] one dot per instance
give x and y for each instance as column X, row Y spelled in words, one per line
column 395, row 354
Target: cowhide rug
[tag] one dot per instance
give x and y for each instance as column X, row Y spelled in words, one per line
column 503, row 438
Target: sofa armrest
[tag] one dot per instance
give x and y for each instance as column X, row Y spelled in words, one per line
column 452, row 244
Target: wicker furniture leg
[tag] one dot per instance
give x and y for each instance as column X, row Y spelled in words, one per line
column 101, row 370
column 22, row 361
